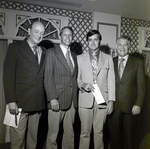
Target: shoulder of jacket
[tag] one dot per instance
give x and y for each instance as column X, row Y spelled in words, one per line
column 82, row 55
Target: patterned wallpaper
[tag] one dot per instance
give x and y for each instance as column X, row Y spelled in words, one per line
column 81, row 22
column 129, row 27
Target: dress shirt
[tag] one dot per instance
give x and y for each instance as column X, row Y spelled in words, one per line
column 125, row 60
column 39, row 51
column 64, row 50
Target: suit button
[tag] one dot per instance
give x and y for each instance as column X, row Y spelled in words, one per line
column 70, row 85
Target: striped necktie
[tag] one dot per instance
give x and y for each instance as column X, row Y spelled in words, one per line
column 35, row 52
column 121, row 67
column 69, row 61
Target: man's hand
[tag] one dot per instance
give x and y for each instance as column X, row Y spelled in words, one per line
column 88, row 87
column 136, row 110
column 54, row 105
column 110, row 107
column 13, row 108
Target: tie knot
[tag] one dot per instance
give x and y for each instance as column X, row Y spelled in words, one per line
column 68, row 53
column 121, row 59
column 34, row 48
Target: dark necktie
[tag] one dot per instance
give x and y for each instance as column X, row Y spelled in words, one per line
column 121, row 67
column 35, row 52
column 69, row 61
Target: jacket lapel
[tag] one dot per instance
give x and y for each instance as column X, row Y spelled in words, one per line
column 61, row 57
column 116, row 69
column 128, row 66
column 88, row 62
column 28, row 52
column 75, row 62
column 101, row 62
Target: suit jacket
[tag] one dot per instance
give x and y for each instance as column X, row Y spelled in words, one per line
column 105, row 80
column 130, row 90
column 24, row 78
column 59, row 82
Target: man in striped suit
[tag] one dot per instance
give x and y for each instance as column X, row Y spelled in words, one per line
column 61, row 89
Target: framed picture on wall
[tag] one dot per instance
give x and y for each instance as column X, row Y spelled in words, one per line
column 109, row 33
column 144, row 38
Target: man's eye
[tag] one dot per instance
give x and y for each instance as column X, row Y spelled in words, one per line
column 35, row 31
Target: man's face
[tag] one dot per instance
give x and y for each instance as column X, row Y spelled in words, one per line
column 123, row 47
column 36, row 33
column 66, row 37
column 94, row 42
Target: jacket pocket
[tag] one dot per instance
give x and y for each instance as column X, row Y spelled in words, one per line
column 20, row 87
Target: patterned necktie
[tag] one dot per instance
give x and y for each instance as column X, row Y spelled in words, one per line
column 121, row 67
column 35, row 52
column 94, row 68
column 69, row 61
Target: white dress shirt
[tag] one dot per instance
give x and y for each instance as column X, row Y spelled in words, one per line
column 64, row 50
column 125, row 60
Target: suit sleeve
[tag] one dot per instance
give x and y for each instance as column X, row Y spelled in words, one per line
column 49, row 81
column 79, row 78
column 111, row 80
column 9, row 73
column 140, row 83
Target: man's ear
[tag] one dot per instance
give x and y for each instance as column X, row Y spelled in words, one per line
column 116, row 45
column 129, row 45
column 29, row 31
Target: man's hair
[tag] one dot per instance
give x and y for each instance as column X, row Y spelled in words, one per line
column 66, row 27
column 125, row 37
column 93, row 32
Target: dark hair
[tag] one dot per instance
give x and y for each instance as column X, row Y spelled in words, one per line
column 93, row 32
column 125, row 37
column 66, row 27
column 105, row 49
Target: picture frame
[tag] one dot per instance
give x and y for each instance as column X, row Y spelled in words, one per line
column 109, row 33
column 144, row 39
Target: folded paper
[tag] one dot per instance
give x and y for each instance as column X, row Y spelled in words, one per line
column 98, row 95
column 10, row 119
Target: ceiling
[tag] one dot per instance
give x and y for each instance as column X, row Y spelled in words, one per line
column 135, row 9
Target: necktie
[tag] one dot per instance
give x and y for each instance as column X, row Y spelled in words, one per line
column 121, row 67
column 94, row 68
column 69, row 61
column 35, row 52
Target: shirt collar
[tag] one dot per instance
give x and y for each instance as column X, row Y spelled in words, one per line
column 64, row 49
column 94, row 53
column 125, row 57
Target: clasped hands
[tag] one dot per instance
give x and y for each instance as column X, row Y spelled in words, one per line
column 88, row 87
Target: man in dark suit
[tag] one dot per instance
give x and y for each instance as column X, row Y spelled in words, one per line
column 24, row 86
column 130, row 92
column 61, row 89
